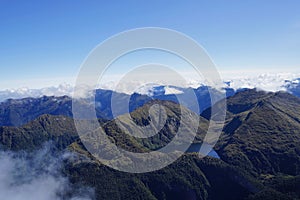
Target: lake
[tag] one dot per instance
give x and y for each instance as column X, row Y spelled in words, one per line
column 195, row 148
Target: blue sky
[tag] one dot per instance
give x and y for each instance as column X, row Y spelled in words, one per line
column 47, row 40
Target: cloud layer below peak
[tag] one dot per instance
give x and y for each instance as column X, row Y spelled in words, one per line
column 268, row 82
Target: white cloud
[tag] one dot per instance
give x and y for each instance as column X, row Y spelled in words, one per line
column 171, row 90
column 63, row 89
column 34, row 176
column 266, row 81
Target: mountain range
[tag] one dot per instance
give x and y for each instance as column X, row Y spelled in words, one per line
column 16, row 112
column 18, row 107
column 259, row 155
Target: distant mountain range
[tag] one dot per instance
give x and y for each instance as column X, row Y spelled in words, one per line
column 23, row 105
column 15, row 112
column 259, row 148
column 269, row 82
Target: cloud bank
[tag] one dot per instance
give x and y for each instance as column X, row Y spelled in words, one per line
column 36, row 176
column 269, row 82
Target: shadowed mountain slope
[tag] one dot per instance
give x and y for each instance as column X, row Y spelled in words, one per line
column 262, row 132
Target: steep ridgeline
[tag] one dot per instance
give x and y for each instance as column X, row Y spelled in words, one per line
column 262, row 132
column 59, row 130
column 120, row 129
column 262, row 136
